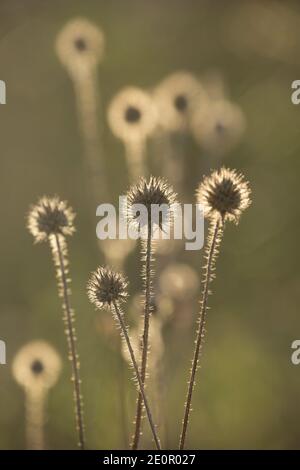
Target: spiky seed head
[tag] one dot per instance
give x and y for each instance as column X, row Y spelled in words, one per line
column 155, row 191
column 105, row 287
column 36, row 366
column 80, row 46
column 50, row 216
column 176, row 97
column 224, row 194
column 132, row 115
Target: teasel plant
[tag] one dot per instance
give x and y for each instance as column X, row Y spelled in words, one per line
column 80, row 48
column 52, row 220
column 109, row 289
column 224, row 195
column 146, row 194
column 175, row 98
column 132, row 117
column 36, row 368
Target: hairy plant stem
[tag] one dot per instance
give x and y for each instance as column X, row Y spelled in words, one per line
column 145, row 338
column 138, row 375
column 71, row 338
column 212, row 248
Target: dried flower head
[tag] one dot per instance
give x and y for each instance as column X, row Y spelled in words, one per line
column 219, row 126
column 224, row 194
column 36, row 366
column 155, row 191
column 179, row 281
column 80, row 46
column 175, row 98
column 106, row 287
column 50, row 216
column 132, row 114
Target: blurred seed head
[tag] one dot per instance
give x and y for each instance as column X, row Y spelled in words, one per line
column 179, row 282
column 80, row 46
column 132, row 115
column 155, row 191
column 50, row 216
column 36, row 366
column 175, row 98
column 218, row 127
column 224, row 194
column 106, row 287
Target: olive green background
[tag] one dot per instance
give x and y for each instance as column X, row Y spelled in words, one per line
column 247, row 393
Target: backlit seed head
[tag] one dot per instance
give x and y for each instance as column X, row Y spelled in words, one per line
column 36, row 366
column 50, row 216
column 105, row 287
column 175, row 98
column 132, row 114
column 224, row 194
column 155, row 191
column 80, row 46
column 218, row 127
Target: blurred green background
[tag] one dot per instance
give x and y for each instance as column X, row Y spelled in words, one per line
column 247, row 393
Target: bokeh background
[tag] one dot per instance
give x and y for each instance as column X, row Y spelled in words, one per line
column 247, row 393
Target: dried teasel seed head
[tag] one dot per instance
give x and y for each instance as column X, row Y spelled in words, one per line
column 132, row 115
column 36, row 366
column 155, row 191
column 176, row 97
column 105, row 287
column 224, row 194
column 80, row 46
column 50, row 216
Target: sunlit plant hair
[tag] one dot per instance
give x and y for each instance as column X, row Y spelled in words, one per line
column 80, row 48
column 132, row 118
column 224, row 195
column 52, row 220
column 147, row 193
column 107, row 288
column 36, row 368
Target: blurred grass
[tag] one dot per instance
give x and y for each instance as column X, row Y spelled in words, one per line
column 247, row 393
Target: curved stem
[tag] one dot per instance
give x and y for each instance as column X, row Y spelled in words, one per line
column 211, row 255
column 145, row 339
column 136, row 369
column 70, row 332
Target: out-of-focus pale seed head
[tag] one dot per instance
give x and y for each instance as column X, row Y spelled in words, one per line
column 36, row 366
column 176, row 98
column 50, row 216
column 225, row 194
column 132, row 115
column 80, row 46
column 106, row 287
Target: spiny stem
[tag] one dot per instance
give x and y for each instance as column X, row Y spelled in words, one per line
column 35, row 403
column 136, row 369
column 211, row 254
column 70, row 331
column 145, row 340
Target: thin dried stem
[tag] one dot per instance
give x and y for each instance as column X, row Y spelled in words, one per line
column 60, row 260
column 136, row 370
column 212, row 249
column 145, row 338
column 34, row 407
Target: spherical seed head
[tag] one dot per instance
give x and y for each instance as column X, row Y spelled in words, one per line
column 132, row 115
column 224, row 194
column 155, row 191
column 50, row 216
column 218, row 128
column 106, row 287
column 176, row 97
column 36, row 366
column 80, row 46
